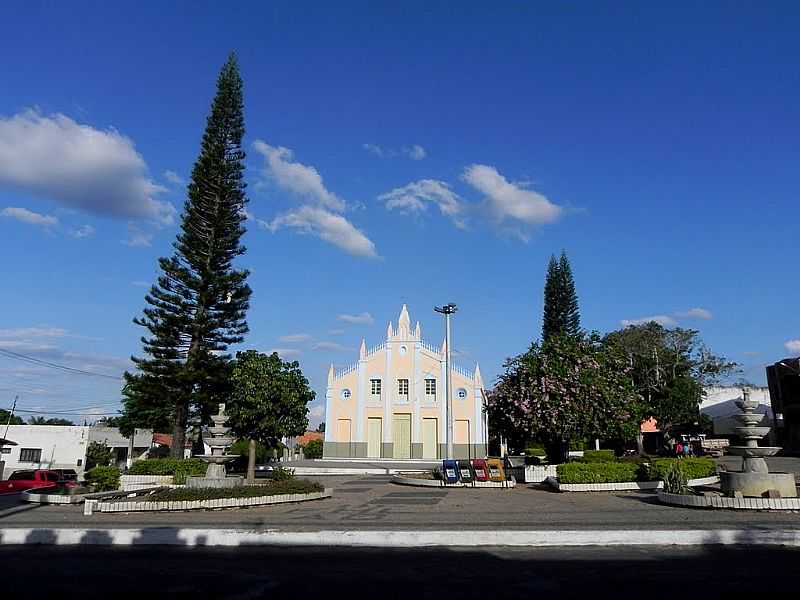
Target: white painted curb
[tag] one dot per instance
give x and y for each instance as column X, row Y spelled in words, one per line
column 397, row 539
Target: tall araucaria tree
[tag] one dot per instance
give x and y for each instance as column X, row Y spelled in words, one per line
column 561, row 313
column 197, row 307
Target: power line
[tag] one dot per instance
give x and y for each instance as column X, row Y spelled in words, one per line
column 52, row 365
column 55, row 412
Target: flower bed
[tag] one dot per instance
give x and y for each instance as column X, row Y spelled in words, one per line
column 289, row 486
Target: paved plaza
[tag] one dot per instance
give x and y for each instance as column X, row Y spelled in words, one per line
column 373, row 502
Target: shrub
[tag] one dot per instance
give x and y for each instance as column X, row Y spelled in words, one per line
column 103, row 478
column 98, row 453
column 294, row 486
column 596, row 456
column 675, row 480
column 598, row 472
column 313, row 449
column 282, row 474
column 692, row 467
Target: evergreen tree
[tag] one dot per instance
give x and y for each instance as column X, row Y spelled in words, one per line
column 561, row 314
column 550, row 321
column 569, row 298
column 197, row 307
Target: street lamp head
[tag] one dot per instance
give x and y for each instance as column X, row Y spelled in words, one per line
column 447, row 309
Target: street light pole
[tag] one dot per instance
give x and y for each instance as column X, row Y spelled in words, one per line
column 447, row 310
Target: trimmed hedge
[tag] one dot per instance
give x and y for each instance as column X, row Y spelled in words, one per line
column 293, row 486
column 598, row 472
column 180, row 468
column 103, row 479
column 596, row 456
column 623, row 471
column 692, row 467
column 535, row 450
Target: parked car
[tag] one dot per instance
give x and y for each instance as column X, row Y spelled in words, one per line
column 262, row 470
column 19, row 481
column 67, row 474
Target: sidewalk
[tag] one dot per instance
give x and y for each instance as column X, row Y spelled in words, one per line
column 371, row 510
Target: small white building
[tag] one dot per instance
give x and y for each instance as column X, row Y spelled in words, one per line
column 45, row 447
column 719, row 403
column 120, row 445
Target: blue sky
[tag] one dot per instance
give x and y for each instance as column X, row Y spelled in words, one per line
column 415, row 152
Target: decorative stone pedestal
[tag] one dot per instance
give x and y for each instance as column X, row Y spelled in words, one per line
column 754, row 480
column 215, row 476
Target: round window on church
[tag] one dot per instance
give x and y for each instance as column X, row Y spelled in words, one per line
column 403, row 350
column 345, row 394
column 461, row 393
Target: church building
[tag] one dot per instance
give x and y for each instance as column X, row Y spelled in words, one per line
column 390, row 404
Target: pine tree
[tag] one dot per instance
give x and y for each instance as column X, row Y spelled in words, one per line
column 197, row 307
column 561, row 313
column 569, row 298
column 551, row 323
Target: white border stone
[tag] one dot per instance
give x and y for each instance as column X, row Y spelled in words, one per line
column 144, row 506
column 730, row 503
column 137, row 482
column 438, row 483
column 622, row 486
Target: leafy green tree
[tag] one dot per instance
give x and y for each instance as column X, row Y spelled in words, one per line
column 269, row 400
column 7, row 419
column 197, row 307
column 98, row 454
column 669, row 368
column 561, row 312
column 313, row 449
column 51, row 421
column 568, row 388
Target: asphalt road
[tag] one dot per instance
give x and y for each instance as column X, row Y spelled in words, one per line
column 374, row 502
column 256, row 572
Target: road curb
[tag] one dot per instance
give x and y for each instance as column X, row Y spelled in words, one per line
column 395, row 539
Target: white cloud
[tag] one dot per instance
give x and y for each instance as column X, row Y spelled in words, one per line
column 336, row 332
column 373, row 149
column 285, row 352
column 295, row 338
column 84, row 231
column 295, row 177
column 510, row 201
column 793, row 346
column 33, row 332
column 330, row 346
column 695, row 313
column 361, row 319
column 663, row 320
column 29, row 217
column 78, row 166
column 316, row 411
column 174, row 178
column 327, row 226
column 415, row 152
column 415, row 197
column 138, row 238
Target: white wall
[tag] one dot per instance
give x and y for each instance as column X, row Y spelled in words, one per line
column 719, row 404
column 62, row 447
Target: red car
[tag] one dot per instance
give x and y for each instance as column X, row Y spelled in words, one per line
column 26, row 480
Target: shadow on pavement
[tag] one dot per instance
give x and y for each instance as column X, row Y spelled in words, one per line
column 261, row 572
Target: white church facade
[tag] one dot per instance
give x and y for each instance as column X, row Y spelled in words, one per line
column 390, row 404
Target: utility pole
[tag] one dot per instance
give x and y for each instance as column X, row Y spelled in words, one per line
column 5, row 436
column 447, row 310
